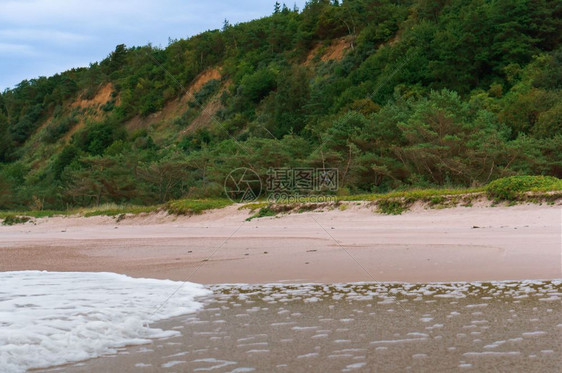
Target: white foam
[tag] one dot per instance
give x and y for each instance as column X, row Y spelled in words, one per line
column 398, row 340
column 52, row 318
column 257, row 351
column 172, row 363
column 354, row 366
column 304, row 327
column 305, row 356
column 218, row 364
column 533, row 334
column 493, row 353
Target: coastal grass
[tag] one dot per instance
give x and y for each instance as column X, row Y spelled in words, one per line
column 176, row 207
column 516, row 188
column 33, row 213
column 513, row 190
column 254, row 206
column 195, row 206
column 263, row 212
column 116, row 210
column 15, row 219
column 412, row 194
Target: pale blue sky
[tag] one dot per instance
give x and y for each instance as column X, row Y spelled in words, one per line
column 43, row 37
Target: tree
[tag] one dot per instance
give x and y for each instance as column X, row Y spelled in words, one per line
column 291, row 99
column 165, row 178
column 447, row 142
column 6, row 146
column 101, row 180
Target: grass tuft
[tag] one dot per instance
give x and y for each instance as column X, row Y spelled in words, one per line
column 413, row 194
column 33, row 213
column 262, row 213
column 116, row 210
column 253, row 206
column 195, row 206
column 15, row 219
column 393, row 206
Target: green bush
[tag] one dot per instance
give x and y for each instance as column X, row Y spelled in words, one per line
column 55, row 130
column 209, row 89
column 392, row 206
column 512, row 188
column 14, row 219
column 262, row 213
column 196, row 206
column 108, row 106
column 96, row 137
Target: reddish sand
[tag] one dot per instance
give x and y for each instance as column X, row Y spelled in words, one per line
column 457, row 244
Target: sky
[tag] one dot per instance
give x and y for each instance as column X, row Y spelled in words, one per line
column 44, row 37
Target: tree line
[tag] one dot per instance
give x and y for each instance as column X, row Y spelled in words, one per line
column 429, row 93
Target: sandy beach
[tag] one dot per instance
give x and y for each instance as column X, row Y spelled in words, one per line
column 336, row 290
column 458, row 244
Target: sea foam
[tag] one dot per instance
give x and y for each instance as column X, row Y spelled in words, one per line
column 52, row 318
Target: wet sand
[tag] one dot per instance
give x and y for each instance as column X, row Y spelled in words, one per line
column 458, row 244
column 483, row 327
column 350, row 327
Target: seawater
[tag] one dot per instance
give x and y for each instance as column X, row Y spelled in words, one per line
column 51, row 318
column 363, row 327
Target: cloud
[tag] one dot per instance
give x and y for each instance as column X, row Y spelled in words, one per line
column 45, row 35
column 9, row 49
column 103, row 13
column 50, row 36
column 46, row 12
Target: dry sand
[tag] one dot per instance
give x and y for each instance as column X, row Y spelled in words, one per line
column 456, row 244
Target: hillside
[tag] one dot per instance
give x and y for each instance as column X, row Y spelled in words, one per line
column 394, row 94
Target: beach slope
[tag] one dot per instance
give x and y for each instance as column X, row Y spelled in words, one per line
column 220, row 246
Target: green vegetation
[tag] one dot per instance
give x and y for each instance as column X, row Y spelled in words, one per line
column 14, row 219
column 414, row 194
column 189, row 207
column 397, row 95
column 33, row 213
column 393, row 206
column 254, row 206
column 262, row 213
column 515, row 187
column 115, row 210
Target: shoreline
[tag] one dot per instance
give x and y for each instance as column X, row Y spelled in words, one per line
column 456, row 244
column 353, row 327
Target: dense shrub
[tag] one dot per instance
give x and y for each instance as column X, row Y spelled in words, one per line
column 512, row 188
column 57, row 128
